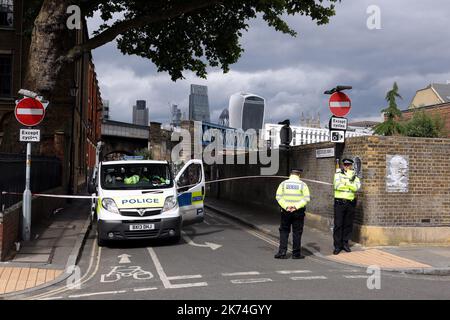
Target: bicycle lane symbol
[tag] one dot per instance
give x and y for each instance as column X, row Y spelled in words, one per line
column 119, row 272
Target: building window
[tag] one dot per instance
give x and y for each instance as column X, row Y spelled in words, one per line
column 5, row 76
column 6, row 13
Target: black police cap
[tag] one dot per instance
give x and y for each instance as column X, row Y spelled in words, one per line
column 347, row 161
column 296, row 171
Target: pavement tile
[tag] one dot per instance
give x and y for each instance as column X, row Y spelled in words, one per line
column 18, row 279
column 379, row 258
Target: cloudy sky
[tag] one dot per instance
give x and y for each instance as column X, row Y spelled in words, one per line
column 412, row 48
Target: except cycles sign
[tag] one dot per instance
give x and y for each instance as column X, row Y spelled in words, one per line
column 29, row 112
column 30, row 135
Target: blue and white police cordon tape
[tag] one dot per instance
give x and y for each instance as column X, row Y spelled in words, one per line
column 188, row 186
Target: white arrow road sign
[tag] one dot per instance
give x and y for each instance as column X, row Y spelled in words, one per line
column 211, row 245
column 124, row 258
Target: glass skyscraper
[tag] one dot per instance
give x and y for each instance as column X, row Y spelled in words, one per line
column 140, row 113
column 198, row 103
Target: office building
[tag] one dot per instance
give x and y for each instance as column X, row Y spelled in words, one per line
column 176, row 116
column 140, row 113
column 246, row 111
column 198, row 103
column 105, row 109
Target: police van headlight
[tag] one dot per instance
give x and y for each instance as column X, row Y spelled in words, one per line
column 110, row 205
column 170, row 203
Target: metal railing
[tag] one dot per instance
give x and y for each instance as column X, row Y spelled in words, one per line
column 45, row 174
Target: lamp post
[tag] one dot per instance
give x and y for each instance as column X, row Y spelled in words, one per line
column 73, row 93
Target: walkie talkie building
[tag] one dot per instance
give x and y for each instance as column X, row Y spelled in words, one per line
column 246, row 111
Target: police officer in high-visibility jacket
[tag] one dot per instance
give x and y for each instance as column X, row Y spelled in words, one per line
column 346, row 184
column 292, row 196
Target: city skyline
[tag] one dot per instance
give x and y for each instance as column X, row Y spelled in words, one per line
column 292, row 73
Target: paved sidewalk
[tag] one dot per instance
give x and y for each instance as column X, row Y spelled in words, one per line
column 54, row 246
column 411, row 259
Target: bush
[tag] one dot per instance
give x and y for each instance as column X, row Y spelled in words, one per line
column 423, row 125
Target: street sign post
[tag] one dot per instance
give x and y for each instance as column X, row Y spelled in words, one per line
column 30, row 135
column 337, row 136
column 338, row 123
column 29, row 112
column 340, row 104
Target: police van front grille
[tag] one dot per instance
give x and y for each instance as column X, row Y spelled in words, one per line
column 139, row 212
column 141, row 233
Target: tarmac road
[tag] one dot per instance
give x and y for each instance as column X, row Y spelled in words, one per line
column 221, row 259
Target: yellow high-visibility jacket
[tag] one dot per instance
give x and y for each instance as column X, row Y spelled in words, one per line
column 343, row 187
column 293, row 193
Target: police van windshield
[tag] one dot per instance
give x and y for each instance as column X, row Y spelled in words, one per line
column 136, row 176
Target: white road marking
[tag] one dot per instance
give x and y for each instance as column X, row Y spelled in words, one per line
column 245, row 281
column 96, row 294
column 52, row 298
column 144, row 289
column 293, row 271
column 82, row 280
column 249, row 273
column 206, row 222
column 356, row 277
column 309, row 278
column 195, row 276
column 124, row 258
column 189, row 285
column 166, row 280
column 211, row 245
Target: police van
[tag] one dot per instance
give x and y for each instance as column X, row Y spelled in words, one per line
column 140, row 199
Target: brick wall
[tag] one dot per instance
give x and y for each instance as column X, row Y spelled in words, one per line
column 429, row 181
column 10, row 220
column 440, row 110
column 425, row 204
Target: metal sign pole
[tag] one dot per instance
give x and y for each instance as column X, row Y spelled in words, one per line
column 26, row 203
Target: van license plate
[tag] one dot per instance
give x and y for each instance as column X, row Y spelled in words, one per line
column 146, row 226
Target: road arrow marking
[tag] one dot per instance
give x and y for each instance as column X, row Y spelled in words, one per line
column 211, row 245
column 124, row 258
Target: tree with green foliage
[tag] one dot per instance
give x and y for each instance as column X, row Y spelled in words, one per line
column 391, row 126
column 176, row 35
column 424, row 125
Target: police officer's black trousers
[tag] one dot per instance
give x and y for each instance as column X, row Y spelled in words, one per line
column 343, row 222
column 295, row 219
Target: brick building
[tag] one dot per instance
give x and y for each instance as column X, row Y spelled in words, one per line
column 72, row 123
column 441, row 110
column 434, row 100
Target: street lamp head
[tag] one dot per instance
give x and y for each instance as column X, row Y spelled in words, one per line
column 338, row 89
column 28, row 93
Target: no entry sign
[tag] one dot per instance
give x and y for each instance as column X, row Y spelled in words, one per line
column 29, row 112
column 340, row 104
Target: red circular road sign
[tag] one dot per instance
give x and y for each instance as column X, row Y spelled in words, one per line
column 340, row 104
column 29, row 112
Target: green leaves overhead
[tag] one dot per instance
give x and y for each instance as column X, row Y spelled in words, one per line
column 179, row 35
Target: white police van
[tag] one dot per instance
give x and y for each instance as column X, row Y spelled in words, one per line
column 140, row 199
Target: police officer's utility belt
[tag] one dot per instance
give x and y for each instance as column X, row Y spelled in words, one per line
column 342, row 201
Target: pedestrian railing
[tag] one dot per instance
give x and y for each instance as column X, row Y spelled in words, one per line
column 46, row 173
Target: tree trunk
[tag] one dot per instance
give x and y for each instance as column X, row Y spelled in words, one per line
column 47, row 46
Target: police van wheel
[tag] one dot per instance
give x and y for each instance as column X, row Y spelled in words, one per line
column 176, row 239
column 101, row 242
